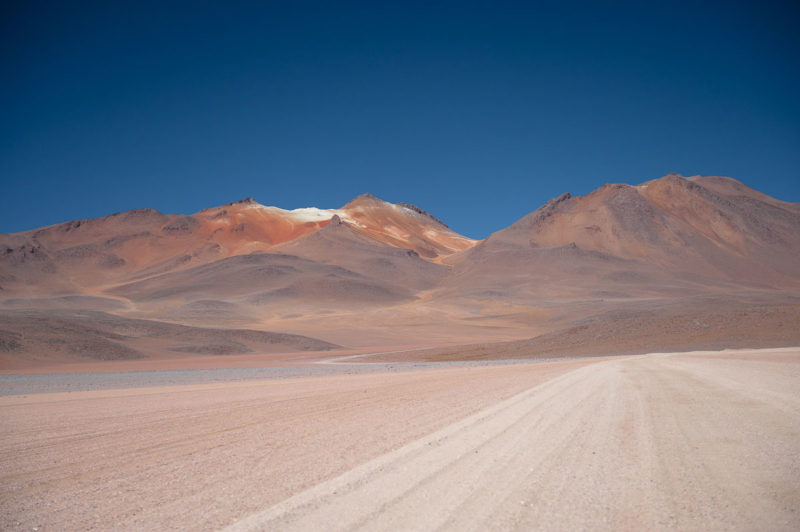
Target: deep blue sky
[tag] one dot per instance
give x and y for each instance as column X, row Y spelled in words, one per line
column 477, row 112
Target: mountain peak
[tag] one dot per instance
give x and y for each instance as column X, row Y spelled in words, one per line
column 245, row 201
column 363, row 199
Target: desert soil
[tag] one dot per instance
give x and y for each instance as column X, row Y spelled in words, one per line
column 690, row 441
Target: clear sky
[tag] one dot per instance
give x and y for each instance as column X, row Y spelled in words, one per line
column 478, row 112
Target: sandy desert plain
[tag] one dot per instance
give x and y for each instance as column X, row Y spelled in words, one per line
column 628, row 359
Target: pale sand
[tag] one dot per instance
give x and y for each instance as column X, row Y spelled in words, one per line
column 648, row 442
column 203, row 456
column 695, row 441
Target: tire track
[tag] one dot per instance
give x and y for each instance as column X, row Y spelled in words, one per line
column 648, row 442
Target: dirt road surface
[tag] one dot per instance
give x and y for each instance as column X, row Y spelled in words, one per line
column 652, row 442
column 690, row 441
column 204, row 455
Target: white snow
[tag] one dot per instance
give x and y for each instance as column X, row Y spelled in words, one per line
column 304, row 214
column 312, row 214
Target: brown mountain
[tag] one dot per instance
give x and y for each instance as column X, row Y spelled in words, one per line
column 236, row 265
column 666, row 236
column 95, row 254
column 403, row 225
column 707, row 253
column 672, row 250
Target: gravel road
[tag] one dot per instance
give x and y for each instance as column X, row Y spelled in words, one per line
column 697, row 441
column 643, row 443
column 200, row 456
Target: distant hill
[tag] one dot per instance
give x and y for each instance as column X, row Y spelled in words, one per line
column 372, row 272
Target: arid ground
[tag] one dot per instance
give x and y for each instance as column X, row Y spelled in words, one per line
column 368, row 367
column 700, row 440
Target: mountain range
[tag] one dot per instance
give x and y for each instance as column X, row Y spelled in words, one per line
column 673, row 262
